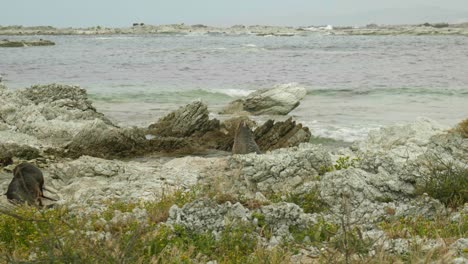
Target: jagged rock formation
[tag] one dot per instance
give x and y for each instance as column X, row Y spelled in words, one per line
column 277, row 135
column 192, row 126
column 184, row 122
column 63, row 101
column 101, row 140
column 280, row 170
column 277, row 101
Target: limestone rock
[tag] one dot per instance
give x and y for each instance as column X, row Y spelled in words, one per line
column 277, row 135
column 101, row 140
column 48, row 117
column 18, row 145
column 281, row 216
column 277, row 101
column 390, row 148
column 206, row 215
column 64, row 102
column 90, row 179
column 184, row 122
column 280, row 170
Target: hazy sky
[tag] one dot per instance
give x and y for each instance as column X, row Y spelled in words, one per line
column 64, row 13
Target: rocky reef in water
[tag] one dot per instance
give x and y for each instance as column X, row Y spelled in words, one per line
column 258, row 30
column 23, row 43
column 295, row 202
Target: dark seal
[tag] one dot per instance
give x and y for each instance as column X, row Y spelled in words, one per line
column 244, row 141
column 27, row 185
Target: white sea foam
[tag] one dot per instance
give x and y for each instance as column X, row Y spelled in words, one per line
column 343, row 133
column 112, row 38
column 250, row 45
column 232, row 92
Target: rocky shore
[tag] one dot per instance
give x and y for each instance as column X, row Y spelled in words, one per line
column 259, row 30
column 154, row 193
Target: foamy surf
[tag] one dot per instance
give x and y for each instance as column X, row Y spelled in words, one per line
column 341, row 133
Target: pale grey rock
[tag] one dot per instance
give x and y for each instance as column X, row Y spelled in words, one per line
column 365, row 197
column 280, row 217
column 362, row 185
column 280, row 170
column 99, row 139
column 94, row 179
column 391, row 148
column 400, row 246
column 38, row 112
column 189, row 171
column 460, row 260
column 460, row 247
column 19, row 145
column 62, row 117
column 64, row 102
column 205, row 215
column 276, row 101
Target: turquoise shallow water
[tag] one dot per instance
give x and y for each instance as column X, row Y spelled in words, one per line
column 354, row 83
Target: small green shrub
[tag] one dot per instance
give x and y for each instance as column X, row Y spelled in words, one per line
column 346, row 162
column 309, row 201
column 342, row 163
column 234, row 245
column 320, row 232
column 445, row 181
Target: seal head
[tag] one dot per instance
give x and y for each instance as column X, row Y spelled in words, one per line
column 244, row 140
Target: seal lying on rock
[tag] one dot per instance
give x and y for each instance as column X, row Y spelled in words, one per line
column 27, row 185
column 244, row 141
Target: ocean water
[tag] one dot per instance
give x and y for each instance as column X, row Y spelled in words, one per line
column 355, row 83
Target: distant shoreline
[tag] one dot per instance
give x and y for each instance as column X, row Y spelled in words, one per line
column 140, row 28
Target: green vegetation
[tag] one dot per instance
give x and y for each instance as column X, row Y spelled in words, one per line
column 58, row 236
column 11, row 44
column 309, row 201
column 342, row 163
column 346, row 162
column 445, row 181
column 441, row 227
column 462, row 128
column 320, row 232
column 23, row 43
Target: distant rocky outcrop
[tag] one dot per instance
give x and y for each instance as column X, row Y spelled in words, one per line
column 23, row 43
column 277, row 101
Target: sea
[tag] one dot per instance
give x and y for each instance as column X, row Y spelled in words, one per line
column 355, row 84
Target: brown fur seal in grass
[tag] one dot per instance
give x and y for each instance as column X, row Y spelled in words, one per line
column 27, row 185
column 244, row 140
